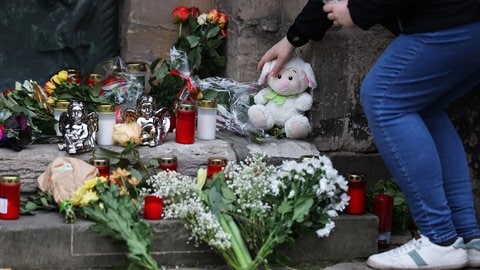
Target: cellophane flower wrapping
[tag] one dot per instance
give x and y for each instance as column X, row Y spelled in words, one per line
column 234, row 99
column 120, row 85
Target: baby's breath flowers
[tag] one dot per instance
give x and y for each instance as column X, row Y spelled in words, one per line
column 252, row 207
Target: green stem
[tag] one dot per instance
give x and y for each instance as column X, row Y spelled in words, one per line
column 239, row 248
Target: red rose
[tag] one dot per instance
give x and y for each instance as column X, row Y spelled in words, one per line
column 194, row 11
column 180, row 14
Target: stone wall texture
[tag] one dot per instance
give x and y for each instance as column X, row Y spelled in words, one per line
column 340, row 61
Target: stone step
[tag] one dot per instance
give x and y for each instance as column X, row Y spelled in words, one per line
column 44, row 241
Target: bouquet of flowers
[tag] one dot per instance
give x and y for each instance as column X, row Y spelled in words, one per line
column 200, row 36
column 252, row 207
column 64, row 86
column 196, row 52
column 24, row 115
column 113, row 204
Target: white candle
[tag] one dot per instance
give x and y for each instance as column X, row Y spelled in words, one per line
column 206, row 119
column 106, row 124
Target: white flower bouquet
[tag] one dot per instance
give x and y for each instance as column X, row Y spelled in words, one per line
column 252, row 207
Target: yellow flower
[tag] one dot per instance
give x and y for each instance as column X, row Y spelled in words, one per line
column 123, row 191
column 133, row 181
column 50, row 87
column 89, row 196
column 63, row 75
column 90, row 184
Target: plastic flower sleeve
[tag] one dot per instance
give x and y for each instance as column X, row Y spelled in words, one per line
column 180, row 67
column 233, row 102
column 120, row 85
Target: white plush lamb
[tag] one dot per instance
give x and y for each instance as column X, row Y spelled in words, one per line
column 285, row 100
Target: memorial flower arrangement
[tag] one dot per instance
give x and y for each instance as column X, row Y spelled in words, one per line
column 252, row 207
column 196, row 52
column 24, row 115
column 113, row 205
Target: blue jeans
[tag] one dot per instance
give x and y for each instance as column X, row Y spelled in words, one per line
column 405, row 96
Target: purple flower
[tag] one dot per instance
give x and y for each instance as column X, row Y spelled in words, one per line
column 16, row 133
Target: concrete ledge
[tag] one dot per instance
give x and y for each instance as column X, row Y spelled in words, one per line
column 34, row 159
column 44, row 241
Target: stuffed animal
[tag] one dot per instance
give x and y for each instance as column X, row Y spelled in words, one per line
column 285, row 100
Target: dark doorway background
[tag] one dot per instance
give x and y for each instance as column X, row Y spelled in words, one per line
column 40, row 37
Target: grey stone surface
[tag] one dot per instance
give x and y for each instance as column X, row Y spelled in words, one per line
column 44, row 241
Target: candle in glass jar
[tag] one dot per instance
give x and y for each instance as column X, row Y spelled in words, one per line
column 74, row 76
column 106, row 123
column 153, row 207
column 357, row 193
column 168, row 163
column 9, row 196
column 206, row 119
column 383, row 208
column 103, row 166
column 94, row 80
column 215, row 165
column 185, row 123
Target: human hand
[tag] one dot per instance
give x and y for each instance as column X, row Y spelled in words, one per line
column 282, row 51
column 338, row 12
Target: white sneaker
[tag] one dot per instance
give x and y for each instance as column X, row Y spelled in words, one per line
column 473, row 253
column 420, row 253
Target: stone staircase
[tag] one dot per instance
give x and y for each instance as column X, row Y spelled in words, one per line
column 44, row 241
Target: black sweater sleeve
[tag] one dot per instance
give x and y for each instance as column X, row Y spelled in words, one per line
column 311, row 23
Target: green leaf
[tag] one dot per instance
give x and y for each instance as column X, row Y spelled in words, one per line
column 302, row 208
column 193, row 41
column 285, row 207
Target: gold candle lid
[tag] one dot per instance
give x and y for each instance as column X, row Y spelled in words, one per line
column 10, row 179
column 356, row 177
column 105, row 108
column 137, row 66
column 167, row 160
column 62, row 104
column 207, row 103
column 217, row 161
column 100, row 162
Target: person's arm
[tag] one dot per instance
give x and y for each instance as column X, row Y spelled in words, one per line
column 366, row 13
column 310, row 24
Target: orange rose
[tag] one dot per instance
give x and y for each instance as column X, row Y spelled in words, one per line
column 213, row 16
column 180, row 14
column 222, row 20
column 49, row 87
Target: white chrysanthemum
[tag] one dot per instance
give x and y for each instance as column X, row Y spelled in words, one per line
column 324, row 232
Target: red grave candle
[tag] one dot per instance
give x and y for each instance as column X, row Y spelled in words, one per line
column 74, row 76
column 9, row 197
column 185, row 123
column 168, row 163
column 153, row 207
column 103, row 166
column 357, row 193
column 94, row 80
column 215, row 164
column 383, row 208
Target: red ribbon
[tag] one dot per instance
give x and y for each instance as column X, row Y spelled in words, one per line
column 188, row 92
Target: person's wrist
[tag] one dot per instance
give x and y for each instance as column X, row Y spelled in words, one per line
column 295, row 38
